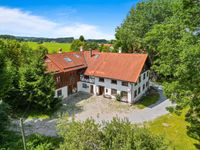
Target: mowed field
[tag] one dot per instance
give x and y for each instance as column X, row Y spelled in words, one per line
column 174, row 129
column 52, row 47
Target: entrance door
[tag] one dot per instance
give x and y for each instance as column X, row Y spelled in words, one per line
column 70, row 89
column 101, row 90
column 91, row 89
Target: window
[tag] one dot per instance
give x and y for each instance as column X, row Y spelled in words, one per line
column 124, row 83
column 113, row 92
column 135, row 83
column 84, row 85
column 96, row 56
column 106, row 90
column 101, row 79
column 67, row 59
column 147, row 73
column 59, row 93
column 144, row 76
column 86, row 77
column 114, row 81
column 76, row 55
column 58, row 79
column 139, row 90
column 139, row 79
column 124, row 94
column 135, row 93
column 143, row 87
column 147, row 83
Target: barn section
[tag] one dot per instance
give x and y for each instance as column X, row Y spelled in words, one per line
column 66, row 68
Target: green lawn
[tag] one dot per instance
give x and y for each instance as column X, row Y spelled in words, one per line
column 173, row 128
column 51, row 46
column 151, row 98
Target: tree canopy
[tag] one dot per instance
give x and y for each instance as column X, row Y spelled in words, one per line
column 117, row 134
column 24, row 80
column 169, row 32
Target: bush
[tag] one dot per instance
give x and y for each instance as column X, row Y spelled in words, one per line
column 13, row 141
column 40, row 142
column 117, row 134
column 118, row 97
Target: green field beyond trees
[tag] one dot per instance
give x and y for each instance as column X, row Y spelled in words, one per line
column 52, row 47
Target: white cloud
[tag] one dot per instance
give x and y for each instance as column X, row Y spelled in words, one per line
column 18, row 22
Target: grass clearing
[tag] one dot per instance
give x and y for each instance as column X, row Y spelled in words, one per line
column 51, row 46
column 151, row 98
column 173, row 128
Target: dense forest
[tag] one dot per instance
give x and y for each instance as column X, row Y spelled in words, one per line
column 169, row 32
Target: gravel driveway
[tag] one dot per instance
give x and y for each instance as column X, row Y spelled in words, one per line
column 101, row 109
column 83, row 106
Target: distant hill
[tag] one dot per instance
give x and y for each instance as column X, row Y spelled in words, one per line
column 43, row 39
column 101, row 41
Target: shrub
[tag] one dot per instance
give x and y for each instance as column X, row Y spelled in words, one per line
column 118, row 97
column 117, row 134
column 40, row 142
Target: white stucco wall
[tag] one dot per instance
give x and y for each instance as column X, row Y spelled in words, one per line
column 64, row 92
column 108, row 86
column 80, row 87
column 119, row 87
column 135, row 87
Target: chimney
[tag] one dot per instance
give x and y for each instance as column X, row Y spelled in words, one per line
column 120, row 50
column 90, row 52
column 60, row 51
column 81, row 48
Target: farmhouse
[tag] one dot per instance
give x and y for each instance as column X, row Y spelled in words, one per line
column 99, row 73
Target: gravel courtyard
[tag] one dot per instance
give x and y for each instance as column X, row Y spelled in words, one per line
column 83, row 106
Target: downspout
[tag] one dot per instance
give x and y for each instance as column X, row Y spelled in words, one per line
column 131, row 92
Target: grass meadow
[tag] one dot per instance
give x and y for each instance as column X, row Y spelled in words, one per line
column 52, row 47
column 174, row 130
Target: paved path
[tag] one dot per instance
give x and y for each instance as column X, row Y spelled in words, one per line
column 99, row 109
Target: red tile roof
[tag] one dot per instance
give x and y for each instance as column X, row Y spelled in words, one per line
column 119, row 66
column 57, row 62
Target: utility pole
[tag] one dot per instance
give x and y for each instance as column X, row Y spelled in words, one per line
column 22, row 131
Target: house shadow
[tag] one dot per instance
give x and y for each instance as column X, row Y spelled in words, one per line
column 71, row 105
column 162, row 98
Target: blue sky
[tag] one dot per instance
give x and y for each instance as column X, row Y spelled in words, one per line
column 58, row 18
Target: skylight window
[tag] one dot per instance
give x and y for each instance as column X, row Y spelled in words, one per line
column 96, row 56
column 76, row 55
column 67, row 59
